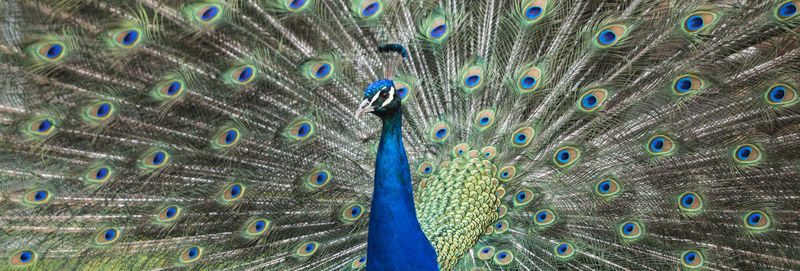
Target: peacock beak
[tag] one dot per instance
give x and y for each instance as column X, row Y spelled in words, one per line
column 365, row 107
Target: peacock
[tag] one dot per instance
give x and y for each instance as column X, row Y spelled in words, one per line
column 399, row 135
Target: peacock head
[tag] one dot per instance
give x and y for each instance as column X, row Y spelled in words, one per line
column 380, row 99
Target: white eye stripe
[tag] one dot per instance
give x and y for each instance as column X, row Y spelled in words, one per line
column 391, row 97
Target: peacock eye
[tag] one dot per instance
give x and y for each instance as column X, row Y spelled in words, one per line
column 384, row 94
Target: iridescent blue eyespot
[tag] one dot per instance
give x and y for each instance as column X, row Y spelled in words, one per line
column 209, row 13
column 695, row 23
column 235, row 190
column 371, row 9
column 401, row 92
column 110, row 234
column 40, row 195
column 527, row 82
column 230, row 137
column 245, row 74
column 441, row 132
column 607, row 37
column 321, row 178
column 54, row 51
column 130, row 37
column 757, row 220
column 25, row 256
column 744, row 152
column 44, row 126
column 323, row 70
column 158, row 158
column 170, row 212
column 589, row 101
column 657, row 145
column 521, row 196
column 544, row 217
column 303, row 130
column 472, row 80
column 684, row 84
column 533, row 12
column 563, row 156
column 438, row 31
column 295, row 4
column 687, row 200
column 309, row 247
column 22, row 258
column 787, row 10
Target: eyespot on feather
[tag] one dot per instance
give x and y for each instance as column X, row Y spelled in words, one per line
column 98, row 174
column 37, row 196
column 301, row 130
column 226, row 138
column 41, row 127
column 257, row 227
column 485, row 253
column 155, row 159
column 460, row 149
column 544, row 217
column 402, row 89
column 566, row 156
column 501, row 226
column 359, row 262
column 500, row 192
column 747, row 154
column 507, row 173
column 320, row 70
column 169, row 213
column 472, row 78
column 191, row 254
column 23, row 258
column 425, row 168
column 523, row 197
column 233, row 192
column 522, row 137
column 690, row 202
column 296, row 5
column 692, row 259
column 687, row 84
column 786, row 10
column 106, row 236
column 169, row 89
column 698, row 21
column 503, row 257
column 100, row 111
column 564, row 250
column 50, row 50
column 437, row 29
column 484, row 119
column 592, row 100
column 534, row 11
column 307, row 249
column 610, row 35
column 781, row 95
column 501, row 211
column 440, row 131
column 757, row 220
column 607, row 188
column 318, row 178
column 529, row 80
column 488, row 152
column 207, row 13
column 352, row 212
column 368, row 9
column 126, row 38
column 630, row 230
column 661, row 145
column 242, row 75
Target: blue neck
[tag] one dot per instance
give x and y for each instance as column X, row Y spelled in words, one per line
column 395, row 239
